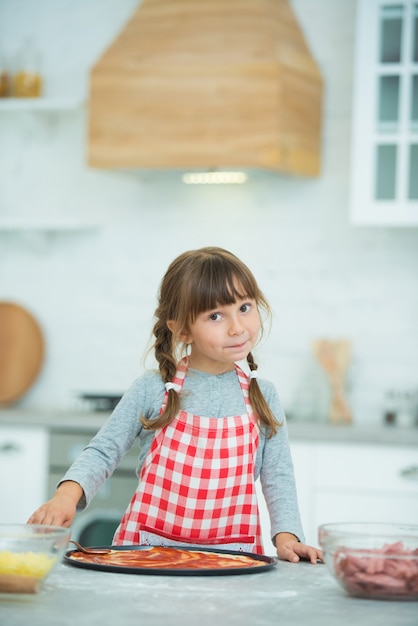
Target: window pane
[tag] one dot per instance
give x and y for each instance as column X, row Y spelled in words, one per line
column 386, row 172
column 391, row 33
column 413, row 172
column 415, row 35
column 388, row 98
column 414, row 102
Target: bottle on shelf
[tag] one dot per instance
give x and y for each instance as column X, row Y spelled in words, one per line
column 27, row 81
column 401, row 407
column 4, row 77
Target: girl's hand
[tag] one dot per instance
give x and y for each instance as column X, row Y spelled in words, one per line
column 60, row 510
column 290, row 549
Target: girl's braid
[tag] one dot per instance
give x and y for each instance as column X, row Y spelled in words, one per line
column 164, row 353
column 258, row 402
column 252, row 364
column 163, row 347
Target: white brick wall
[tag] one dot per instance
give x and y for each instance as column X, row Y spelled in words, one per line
column 94, row 292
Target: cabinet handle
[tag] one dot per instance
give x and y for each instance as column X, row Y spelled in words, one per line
column 410, row 472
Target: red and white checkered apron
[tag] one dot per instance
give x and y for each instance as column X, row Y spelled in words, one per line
column 197, row 484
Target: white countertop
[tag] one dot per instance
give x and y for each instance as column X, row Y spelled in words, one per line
column 289, row 594
column 79, row 421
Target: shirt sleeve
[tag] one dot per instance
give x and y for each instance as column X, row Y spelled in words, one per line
column 277, row 473
column 102, row 455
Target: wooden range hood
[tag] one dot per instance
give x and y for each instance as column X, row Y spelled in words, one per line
column 207, row 84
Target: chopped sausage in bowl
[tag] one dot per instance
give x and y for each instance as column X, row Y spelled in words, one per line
column 378, row 561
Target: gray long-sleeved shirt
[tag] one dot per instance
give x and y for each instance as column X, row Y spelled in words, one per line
column 202, row 394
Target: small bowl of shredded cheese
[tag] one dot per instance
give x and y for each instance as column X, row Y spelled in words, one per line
column 28, row 554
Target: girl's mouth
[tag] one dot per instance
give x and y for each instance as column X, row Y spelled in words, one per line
column 238, row 346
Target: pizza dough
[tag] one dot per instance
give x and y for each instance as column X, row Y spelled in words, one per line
column 168, row 558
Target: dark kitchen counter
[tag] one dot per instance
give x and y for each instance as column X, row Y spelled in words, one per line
column 290, row 594
column 79, row 421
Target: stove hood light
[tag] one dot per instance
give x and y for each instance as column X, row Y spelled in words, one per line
column 214, row 178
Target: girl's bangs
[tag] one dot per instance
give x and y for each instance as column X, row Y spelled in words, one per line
column 221, row 288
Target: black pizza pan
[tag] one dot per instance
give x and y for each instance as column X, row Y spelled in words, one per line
column 267, row 563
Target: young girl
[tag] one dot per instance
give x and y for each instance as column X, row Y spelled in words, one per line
column 207, row 430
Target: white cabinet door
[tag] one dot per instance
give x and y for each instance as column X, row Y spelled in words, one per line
column 385, row 468
column 365, row 483
column 23, row 471
column 384, row 159
column 303, row 455
column 346, row 482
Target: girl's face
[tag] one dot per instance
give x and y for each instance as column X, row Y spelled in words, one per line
column 223, row 335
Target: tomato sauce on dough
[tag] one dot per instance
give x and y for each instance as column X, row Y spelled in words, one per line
column 168, row 558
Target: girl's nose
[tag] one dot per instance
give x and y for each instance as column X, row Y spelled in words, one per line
column 235, row 327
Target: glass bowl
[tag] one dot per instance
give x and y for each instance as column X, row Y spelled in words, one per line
column 378, row 561
column 28, row 554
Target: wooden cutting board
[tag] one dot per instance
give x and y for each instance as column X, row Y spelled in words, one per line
column 21, row 351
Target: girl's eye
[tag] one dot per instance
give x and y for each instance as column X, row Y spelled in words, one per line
column 214, row 316
column 244, row 308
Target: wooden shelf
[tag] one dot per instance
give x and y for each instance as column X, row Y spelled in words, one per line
column 40, row 104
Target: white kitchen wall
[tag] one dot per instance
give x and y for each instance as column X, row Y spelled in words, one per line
column 94, row 291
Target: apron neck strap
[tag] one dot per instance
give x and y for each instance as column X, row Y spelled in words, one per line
column 183, row 366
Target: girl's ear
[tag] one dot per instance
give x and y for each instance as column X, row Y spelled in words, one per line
column 181, row 335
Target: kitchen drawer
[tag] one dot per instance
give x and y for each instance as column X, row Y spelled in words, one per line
column 379, row 467
column 116, row 492
column 65, row 447
column 23, row 471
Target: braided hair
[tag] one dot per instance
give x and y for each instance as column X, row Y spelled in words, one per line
column 197, row 281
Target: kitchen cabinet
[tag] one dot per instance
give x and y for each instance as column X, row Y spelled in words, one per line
column 343, row 482
column 23, row 471
column 384, row 156
column 302, row 454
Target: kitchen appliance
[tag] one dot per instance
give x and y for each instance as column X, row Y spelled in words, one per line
column 100, row 401
column 97, row 524
column 207, row 84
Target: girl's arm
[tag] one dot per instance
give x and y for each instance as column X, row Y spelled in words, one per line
column 277, row 474
column 101, row 456
column 279, row 489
